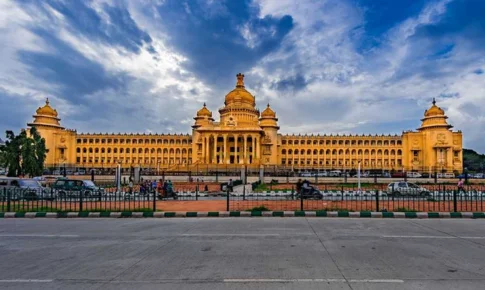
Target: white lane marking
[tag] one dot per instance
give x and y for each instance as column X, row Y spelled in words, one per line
column 430, row 237
column 231, row 235
column 313, row 280
column 26, row 281
column 37, row 236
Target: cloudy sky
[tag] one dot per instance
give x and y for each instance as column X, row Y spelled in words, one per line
column 327, row 66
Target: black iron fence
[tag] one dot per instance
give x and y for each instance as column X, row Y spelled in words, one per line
column 429, row 199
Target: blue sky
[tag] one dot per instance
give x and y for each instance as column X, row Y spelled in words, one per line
column 330, row 66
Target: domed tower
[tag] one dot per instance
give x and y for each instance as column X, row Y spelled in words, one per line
column 434, row 147
column 240, row 106
column 269, row 124
column 203, row 118
column 60, row 142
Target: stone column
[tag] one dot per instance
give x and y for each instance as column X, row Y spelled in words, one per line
column 214, row 159
column 257, row 147
column 207, row 150
column 236, row 151
column 224, row 152
column 254, row 148
column 245, row 149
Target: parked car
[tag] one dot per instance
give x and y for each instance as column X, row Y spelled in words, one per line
column 305, row 174
column 479, row 175
column 73, row 188
column 335, row 173
column 321, row 174
column 426, row 175
column 402, row 188
column 398, row 174
column 446, row 175
column 23, row 188
column 411, row 174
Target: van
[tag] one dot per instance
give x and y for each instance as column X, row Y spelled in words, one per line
column 20, row 188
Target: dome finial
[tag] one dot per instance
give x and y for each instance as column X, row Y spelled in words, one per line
column 240, row 80
column 47, row 101
column 434, row 102
column 268, row 105
column 204, row 104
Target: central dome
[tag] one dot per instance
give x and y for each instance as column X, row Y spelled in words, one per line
column 46, row 110
column 240, row 94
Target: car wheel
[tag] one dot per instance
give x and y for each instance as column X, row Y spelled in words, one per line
column 424, row 193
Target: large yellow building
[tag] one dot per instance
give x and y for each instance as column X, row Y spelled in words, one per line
column 246, row 136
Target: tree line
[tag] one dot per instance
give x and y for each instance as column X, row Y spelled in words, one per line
column 23, row 154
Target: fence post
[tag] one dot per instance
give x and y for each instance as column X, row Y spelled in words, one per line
column 81, row 200
column 301, row 200
column 454, row 201
column 197, row 192
column 292, row 192
column 8, row 194
column 377, row 200
column 155, row 200
column 244, row 192
column 227, row 202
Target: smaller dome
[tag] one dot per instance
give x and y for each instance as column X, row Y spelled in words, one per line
column 46, row 110
column 268, row 113
column 434, row 110
column 204, row 112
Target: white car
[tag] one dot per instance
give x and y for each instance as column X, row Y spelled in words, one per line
column 334, row 173
column 445, row 175
column 401, row 188
column 413, row 174
column 479, row 175
column 305, row 174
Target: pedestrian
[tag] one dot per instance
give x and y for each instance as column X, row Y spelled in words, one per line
column 461, row 185
column 230, row 185
column 298, row 185
column 130, row 185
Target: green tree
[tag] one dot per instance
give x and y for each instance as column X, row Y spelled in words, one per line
column 11, row 154
column 23, row 154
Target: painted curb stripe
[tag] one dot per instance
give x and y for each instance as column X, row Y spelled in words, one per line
column 362, row 214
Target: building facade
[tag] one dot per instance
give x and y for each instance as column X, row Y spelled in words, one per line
column 247, row 137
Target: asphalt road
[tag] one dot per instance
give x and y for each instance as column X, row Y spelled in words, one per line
column 242, row 253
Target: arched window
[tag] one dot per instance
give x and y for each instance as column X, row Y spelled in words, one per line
column 296, row 142
column 78, row 150
column 373, row 152
column 328, row 152
column 399, row 152
column 165, row 151
column 109, row 150
column 341, row 152
column 140, row 150
column 283, row 151
column 115, row 150
column 177, row 151
column 366, row 152
column 90, row 150
column 290, row 151
column 121, row 150
column 127, row 150
column 334, row 152
column 102, row 150
column 171, row 150
column 147, row 150
column 359, row 152
column 386, row 152
column 393, row 152
column 159, row 150
column 152, row 151
column 184, row 151
column 315, row 152
column 309, row 152
column 321, row 151
column 302, row 152
column 96, row 150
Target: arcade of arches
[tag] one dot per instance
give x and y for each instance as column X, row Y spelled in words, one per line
column 246, row 136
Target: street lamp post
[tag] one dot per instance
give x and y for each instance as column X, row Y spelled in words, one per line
column 358, row 177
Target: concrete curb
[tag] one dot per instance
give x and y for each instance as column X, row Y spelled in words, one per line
column 183, row 214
